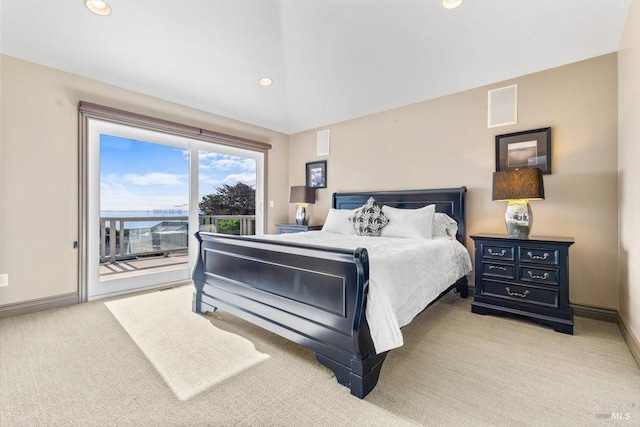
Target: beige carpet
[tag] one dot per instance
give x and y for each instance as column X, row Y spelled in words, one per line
column 188, row 352
column 77, row 366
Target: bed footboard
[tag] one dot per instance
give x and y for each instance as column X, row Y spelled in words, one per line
column 314, row 296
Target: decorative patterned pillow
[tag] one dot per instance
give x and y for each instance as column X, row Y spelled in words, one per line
column 369, row 219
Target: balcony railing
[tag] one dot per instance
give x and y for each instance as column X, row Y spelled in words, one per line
column 163, row 235
column 212, row 223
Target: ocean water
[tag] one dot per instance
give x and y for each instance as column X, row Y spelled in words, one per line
column 155, row 216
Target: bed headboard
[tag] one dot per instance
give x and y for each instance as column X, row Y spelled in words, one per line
column 447, row 200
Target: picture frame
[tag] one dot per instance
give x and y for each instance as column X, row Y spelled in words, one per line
column 524, row 150
column 316, row 174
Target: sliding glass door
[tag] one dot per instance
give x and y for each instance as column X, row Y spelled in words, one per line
column 148, row 192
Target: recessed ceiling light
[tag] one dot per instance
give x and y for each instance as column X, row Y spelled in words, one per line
column 265, row 81
column 98, row 7
column 451, row 4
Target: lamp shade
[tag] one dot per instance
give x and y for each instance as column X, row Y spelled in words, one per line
column 302, row 194
column 518, row 184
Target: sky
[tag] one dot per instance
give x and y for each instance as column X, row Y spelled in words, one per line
column 136, row 175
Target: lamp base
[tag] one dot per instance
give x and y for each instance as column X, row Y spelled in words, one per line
column 518, row 219
column 301, row 216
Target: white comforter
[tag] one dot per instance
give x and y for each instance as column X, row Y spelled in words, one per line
column 405, row 275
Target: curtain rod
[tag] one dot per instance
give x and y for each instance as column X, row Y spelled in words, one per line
column 153, row 123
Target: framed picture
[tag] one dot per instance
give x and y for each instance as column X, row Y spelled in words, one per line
column 317, row 174
column 524, row 150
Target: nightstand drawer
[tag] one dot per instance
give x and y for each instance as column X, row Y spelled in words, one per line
column 289, row 230
column 296, row 228
column 491, row 251
column 506, row 271
column 520, row 293
column 538, row 275
column 538, row 256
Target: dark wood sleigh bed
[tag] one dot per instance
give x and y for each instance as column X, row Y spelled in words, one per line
column 315, row 296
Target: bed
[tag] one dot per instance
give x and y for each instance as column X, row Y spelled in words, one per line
column 313, row 295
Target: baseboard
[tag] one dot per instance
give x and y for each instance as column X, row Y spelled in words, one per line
column 631, row 340
column 596, row 313
column 609, row 315
column 32, row 306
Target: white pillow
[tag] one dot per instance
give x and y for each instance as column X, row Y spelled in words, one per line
column 338, row 222
column 415, row 223
column 444, row 226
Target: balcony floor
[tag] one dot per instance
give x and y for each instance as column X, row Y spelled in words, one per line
column 140, row 266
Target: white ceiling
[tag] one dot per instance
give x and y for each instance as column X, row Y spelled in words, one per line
column 330, row 60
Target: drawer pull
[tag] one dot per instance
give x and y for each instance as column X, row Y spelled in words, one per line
column 501, row 253
column 545, row 276
column 497, row 267
column 532, row 256
column 516, row 294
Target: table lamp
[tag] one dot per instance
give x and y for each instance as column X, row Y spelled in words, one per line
column 518, row 187
column 302, row 196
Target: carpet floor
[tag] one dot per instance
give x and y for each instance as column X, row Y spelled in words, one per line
column 78, row 366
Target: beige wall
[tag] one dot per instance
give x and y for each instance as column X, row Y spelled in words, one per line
column 2, row 255
column 629, row 172
column 446, row 143
column 39, row 170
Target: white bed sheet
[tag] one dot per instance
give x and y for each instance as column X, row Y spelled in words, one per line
column 405, row 275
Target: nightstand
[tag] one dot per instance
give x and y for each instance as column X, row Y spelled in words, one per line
column 296, row 228
column 527, row 277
